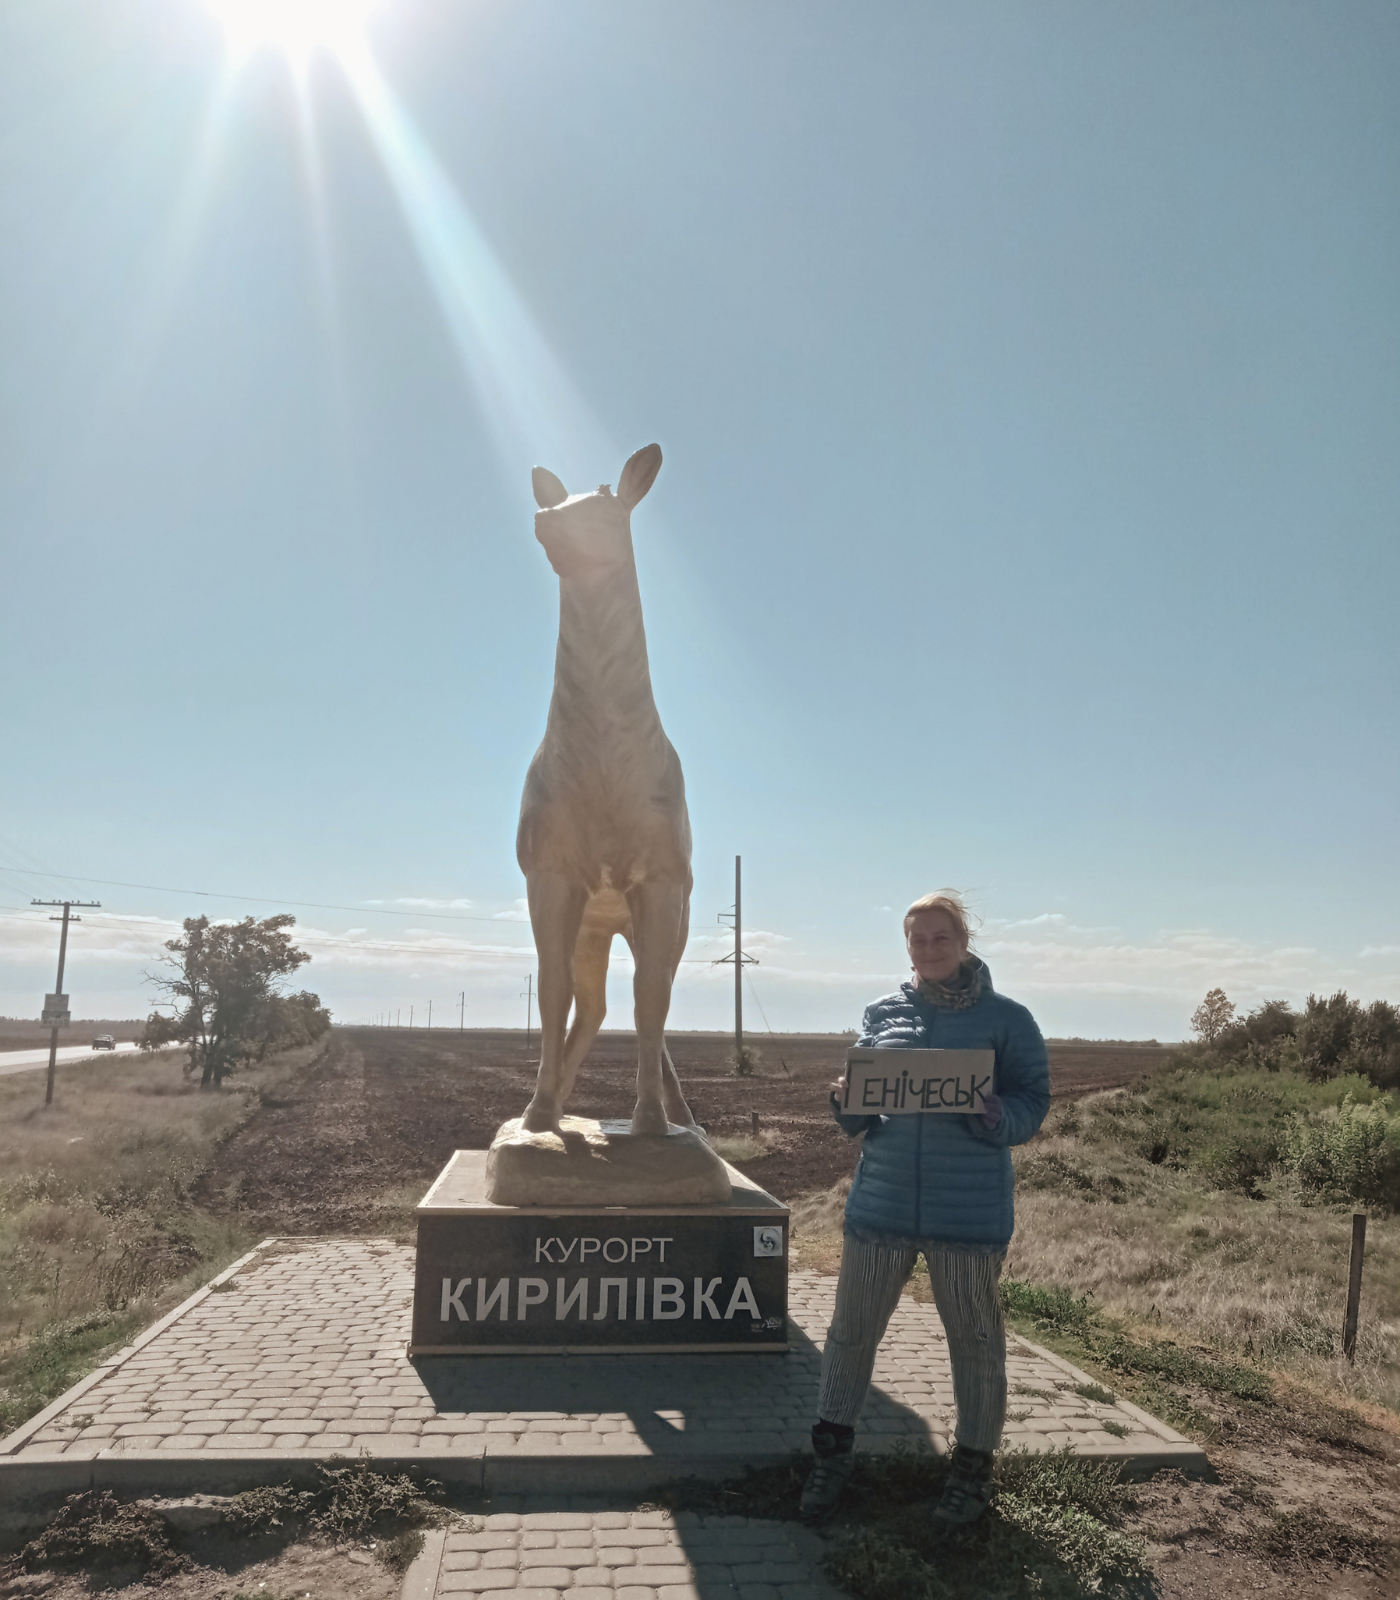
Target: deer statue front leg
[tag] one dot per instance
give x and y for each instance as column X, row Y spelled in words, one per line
column 556, row 910
column 658, row 910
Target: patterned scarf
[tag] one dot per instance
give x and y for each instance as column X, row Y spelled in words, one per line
column 965, row 990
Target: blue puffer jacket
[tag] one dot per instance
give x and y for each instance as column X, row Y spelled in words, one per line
column 945, row 1176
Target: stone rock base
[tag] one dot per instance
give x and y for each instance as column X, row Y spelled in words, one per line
column 602, row 1164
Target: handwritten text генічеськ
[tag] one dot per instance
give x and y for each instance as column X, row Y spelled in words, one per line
column 909, row 1082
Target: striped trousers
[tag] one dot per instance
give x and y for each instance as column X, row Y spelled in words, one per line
column 965, row 1292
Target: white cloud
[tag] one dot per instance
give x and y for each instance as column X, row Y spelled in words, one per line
column 1381, row 950
column 518, row 911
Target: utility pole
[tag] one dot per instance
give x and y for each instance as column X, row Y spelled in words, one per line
column 430, row 1013
column 740, row 961
column 462, row 1014
column 529, row 1011
column 56, row 1005
column 410, row 1016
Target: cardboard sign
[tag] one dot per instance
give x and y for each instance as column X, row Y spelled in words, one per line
column 895, row 1083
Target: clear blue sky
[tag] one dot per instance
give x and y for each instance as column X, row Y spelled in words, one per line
column 1027, row 377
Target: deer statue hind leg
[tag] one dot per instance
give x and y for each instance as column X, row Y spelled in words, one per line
column 590, row 1000
column 658, row 912
column 677, row 1111
column 556, row 910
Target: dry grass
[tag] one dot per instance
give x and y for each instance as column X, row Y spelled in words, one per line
column 1265, row 1278
column 815, row 1228
column 1160, row 1251
column 96, row 1220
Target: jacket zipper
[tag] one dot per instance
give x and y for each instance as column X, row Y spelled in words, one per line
column 919, row 1157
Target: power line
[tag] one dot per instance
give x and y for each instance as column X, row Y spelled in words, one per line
column 278, row 900
column 270, row 900
column 342, row 941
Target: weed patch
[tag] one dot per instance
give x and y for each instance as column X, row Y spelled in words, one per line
column 1053, row 1531
column 400, row 1552
column 95, row 1532
column 1163, row 1371
column 1096, row 1392
column 1300, row 1537
column 1046, row 1307
column 345, row 1503
column 1170, row 1361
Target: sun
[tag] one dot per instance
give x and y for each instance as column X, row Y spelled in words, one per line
column 298, row 27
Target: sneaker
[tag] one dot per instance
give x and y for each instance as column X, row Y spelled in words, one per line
column 967, row 1493
column 830, row 1474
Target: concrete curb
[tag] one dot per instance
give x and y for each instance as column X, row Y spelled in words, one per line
column 1176, row 1451
column 481, row 1467
column 503, row 1473
column 13, row 1443
column 421, row 1580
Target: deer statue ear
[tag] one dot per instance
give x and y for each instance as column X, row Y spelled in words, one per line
column 548, row 489
column 639, row 474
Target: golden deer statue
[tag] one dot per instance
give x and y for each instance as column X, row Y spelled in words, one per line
column 604, row 839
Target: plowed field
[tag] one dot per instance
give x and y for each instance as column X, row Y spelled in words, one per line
column 384, row 1108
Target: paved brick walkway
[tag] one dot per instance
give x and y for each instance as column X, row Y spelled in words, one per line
column 299, row 1353
column 622, row 1555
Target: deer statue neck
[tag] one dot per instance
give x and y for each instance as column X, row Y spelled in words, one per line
column 602, row 679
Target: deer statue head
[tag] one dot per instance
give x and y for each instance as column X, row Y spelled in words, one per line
column 584, row 534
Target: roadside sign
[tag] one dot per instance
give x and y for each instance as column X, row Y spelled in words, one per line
column 56, row 1012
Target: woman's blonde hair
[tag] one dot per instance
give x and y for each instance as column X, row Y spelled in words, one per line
column 945, row 900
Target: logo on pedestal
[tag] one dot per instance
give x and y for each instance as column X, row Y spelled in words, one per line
column 768, row 1241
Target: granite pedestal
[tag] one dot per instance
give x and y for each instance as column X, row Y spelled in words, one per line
column 504, row 1279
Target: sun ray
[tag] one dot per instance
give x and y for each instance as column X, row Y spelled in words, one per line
column 326, row 299
column 527, row 398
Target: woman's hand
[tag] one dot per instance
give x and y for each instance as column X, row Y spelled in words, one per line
column 991, row 1112
column 838, row 1088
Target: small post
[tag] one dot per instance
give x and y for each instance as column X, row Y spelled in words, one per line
column 529, row 998
column 462, row 1012
column 753, row 1120
column 430, row 1013
column 1358, row 1253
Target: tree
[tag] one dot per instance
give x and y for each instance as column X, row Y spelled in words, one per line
column 226, row 997
column 293, row 1019
column 1214, row 1014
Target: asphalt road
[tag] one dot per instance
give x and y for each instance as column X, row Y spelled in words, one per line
column 28, row 1060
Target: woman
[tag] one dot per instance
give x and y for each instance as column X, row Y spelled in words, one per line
column 937, row 1184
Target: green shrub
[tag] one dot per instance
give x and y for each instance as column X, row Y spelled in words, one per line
column 1332, row 1037
column 747, row 1061
column 1350, row 1154
column 1239, row 1162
